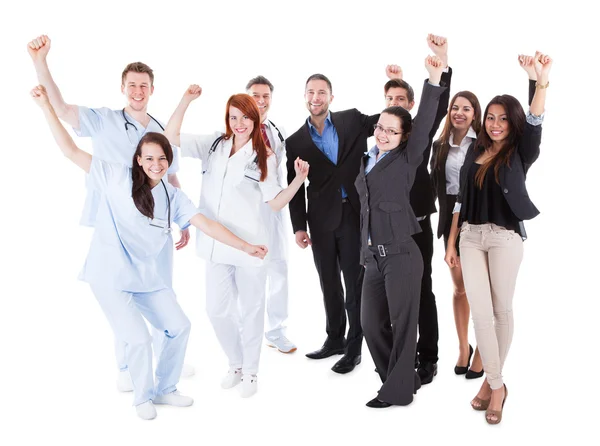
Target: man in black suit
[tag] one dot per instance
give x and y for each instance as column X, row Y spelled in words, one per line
column 422, row 199
column 333, row 144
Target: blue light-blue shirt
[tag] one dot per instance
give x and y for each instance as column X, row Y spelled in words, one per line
column 373, row 159
column 328, row 142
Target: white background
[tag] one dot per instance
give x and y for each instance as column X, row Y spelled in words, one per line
column 56, row 357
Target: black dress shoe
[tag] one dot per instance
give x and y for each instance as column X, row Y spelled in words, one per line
column 346, row 364
column 474, row 375
column 325, row 352
column 378, row 404
column 426, row 372
column 460, row 370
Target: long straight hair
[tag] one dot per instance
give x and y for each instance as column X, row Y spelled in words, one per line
column 444, row 140
column 516, row 121
column 248, row 107
column 141, row 192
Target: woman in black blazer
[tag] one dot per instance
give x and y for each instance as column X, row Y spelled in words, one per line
column 491, row 206
column 459, row 133
column 393, row 262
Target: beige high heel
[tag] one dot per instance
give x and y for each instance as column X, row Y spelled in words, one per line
column 496, row 413
column 482, row 404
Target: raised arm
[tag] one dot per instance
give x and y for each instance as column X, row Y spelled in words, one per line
column 220, row 233
column 526, row 62
column 439, row 47
column 542, row 64
column 418, row 140
column 62, row 138
column 284, row 197
column 38, row 50
column 173, row 129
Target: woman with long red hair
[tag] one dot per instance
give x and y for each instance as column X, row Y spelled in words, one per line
column 239, row 179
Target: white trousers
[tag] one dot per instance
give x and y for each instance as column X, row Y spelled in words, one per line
column 124, row 312
column 235, row 303
column 277, row 300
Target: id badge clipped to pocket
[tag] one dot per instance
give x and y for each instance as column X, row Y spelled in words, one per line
column 252, row 172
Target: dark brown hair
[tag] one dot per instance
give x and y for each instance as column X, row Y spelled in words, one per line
column 248, row 107
column 516, row 121
column 141, row 192
column 137, row 67
column 399, row 83
column 444, row 140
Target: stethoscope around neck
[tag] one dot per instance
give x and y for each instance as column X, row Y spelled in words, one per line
column 128, row 122
column 168, row 230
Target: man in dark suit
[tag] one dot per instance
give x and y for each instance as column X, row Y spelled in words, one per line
column 422, row 199
column 333, row 144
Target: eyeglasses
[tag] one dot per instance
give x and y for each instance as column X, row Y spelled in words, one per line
column 388, row 132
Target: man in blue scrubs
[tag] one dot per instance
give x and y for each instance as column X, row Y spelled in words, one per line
column 115, row 135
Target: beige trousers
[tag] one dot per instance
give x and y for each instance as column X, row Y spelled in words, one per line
column 490, row 256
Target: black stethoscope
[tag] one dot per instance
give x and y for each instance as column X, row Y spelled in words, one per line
column 128, row 123
column 168, row 230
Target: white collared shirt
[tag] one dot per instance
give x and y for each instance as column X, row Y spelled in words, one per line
column 455, row 160
column 230, row 198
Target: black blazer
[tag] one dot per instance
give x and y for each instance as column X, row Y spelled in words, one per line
column 438, row 176
column 422, row 194
column 386, row 212
column 326, row 178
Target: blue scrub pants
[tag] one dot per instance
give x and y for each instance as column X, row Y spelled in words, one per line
column 126, row 312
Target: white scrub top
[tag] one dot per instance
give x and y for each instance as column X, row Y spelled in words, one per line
column 280, row 227
column 112, row 143
column 230, row 198
column 127, row 251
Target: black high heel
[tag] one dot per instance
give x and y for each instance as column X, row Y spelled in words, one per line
column 474, row 375
column 465, row 370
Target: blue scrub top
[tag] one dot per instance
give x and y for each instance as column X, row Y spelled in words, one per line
column 127, row 251
column 112, row 143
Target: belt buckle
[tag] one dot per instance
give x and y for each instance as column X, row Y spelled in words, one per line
column 381, row 250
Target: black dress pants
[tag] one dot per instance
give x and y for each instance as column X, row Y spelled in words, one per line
column 427, row 347
column 390, row 311
column 334, row 252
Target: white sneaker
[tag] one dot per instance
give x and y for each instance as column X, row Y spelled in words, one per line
column 187, row 371
column 124, row 383
column 232, row 379
column 146, row 411
column 249, row 386
column 283, row 344
column 174, row 399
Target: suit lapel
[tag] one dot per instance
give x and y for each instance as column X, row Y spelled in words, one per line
column 339, row 124
column 310, row 144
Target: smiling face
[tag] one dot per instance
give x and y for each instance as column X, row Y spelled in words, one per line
column 496, row 123
column 262, row 95
column 388, row 132
column 317, row 97
column 397, row 96
column 137, row 88
column 240, row 124
column 154, row 162
column 462, row 114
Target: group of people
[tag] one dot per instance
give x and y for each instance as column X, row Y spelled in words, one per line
column 365, row 213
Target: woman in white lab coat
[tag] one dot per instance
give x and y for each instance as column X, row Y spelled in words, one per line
column 129, row 264
column 239, row 175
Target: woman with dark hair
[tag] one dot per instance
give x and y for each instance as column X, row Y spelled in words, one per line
column 459, row 133
column 491, row 206
column 239, row 185
column 393, row 262
column 129, row 264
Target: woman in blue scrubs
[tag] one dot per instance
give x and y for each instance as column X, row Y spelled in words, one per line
column 129, row 265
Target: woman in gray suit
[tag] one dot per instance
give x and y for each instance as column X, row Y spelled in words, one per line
column 394, row 266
